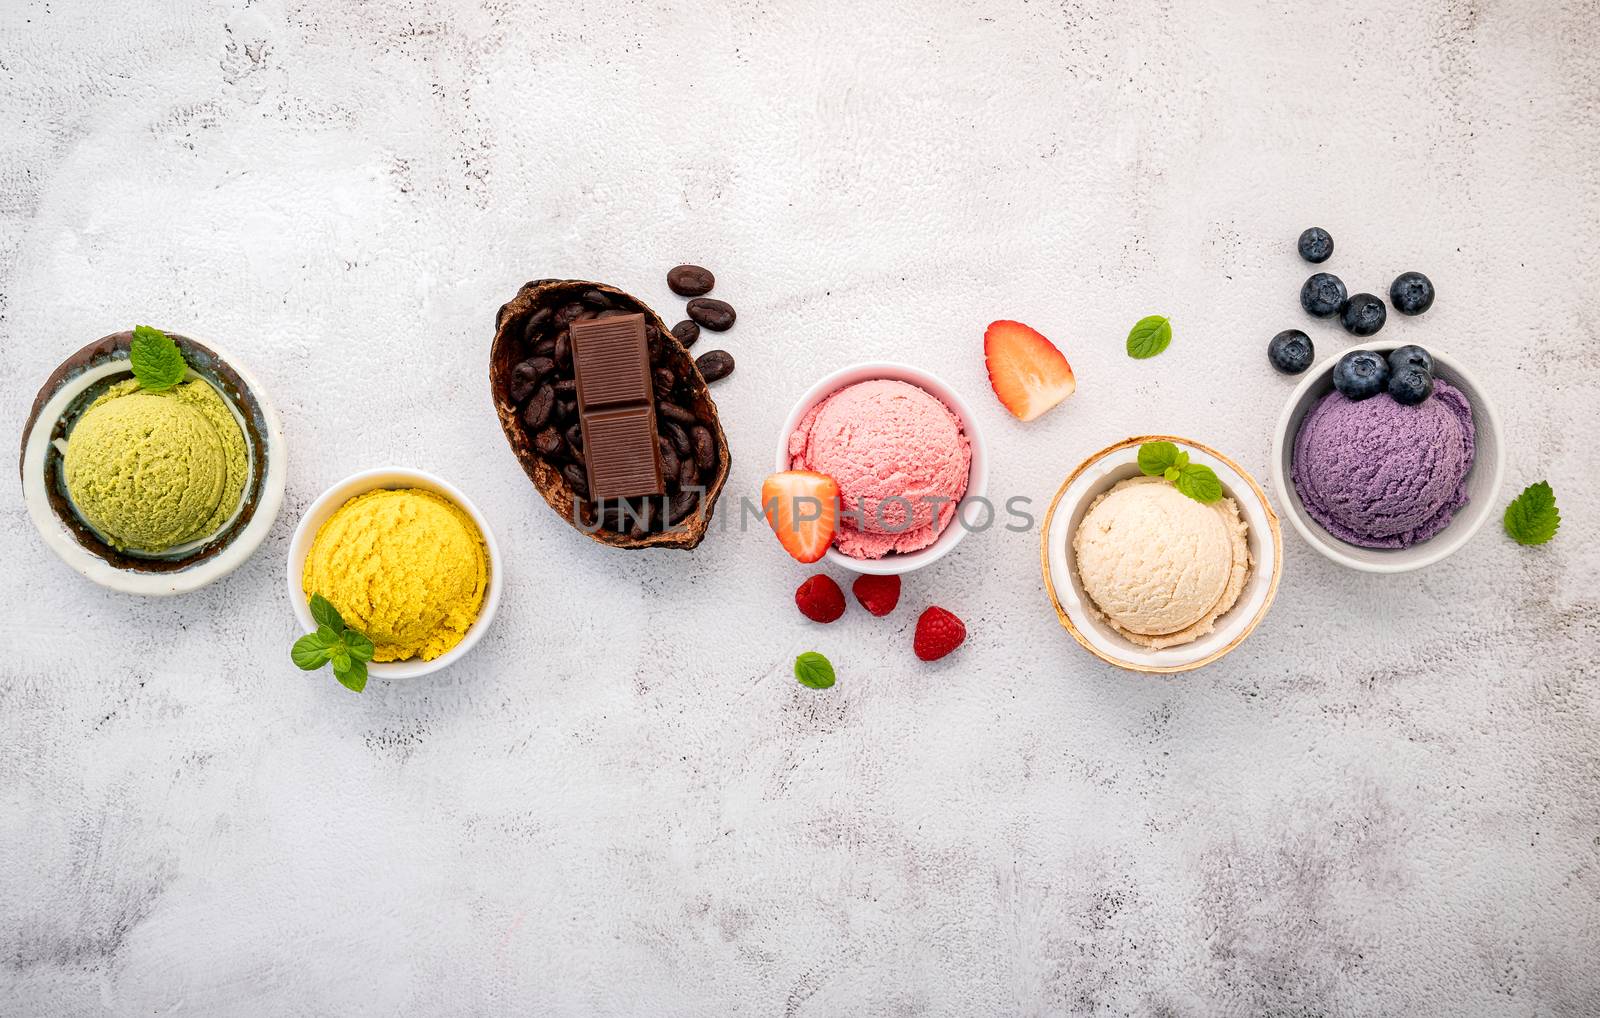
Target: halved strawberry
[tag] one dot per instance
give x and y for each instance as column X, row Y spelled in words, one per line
column 803, row 510
column 1026, row 370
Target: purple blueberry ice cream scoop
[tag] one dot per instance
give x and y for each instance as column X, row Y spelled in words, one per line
column 1382, row 475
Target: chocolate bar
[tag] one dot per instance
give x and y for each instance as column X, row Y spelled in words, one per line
column 616, row 406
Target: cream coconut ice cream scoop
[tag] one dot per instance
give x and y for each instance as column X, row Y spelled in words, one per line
column 899, row 456
column 1159, row 567
column 154, row 470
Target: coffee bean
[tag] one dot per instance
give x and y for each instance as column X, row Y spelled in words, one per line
column 568, row 313
column 536, row 324
column 687, row 332
column 715, row 364
column 656, row 349
column 596, row 299
column 563, row 348
column 566, row 387
column 674, row 412
column 690, row 280
column 547, row 442
column 574, row 436
column 668, row 458
column 576, row 479
column 641, row 516
column 612, row 313
column 663, row 379
column 683, row 503
column 678, row 437
column 716, row 315
column 538, row 410
column 546, row 347
column 687, row 475
column 650, row 330
column 566, row 410
column 524, row 379
column 586, row 316
column 705, row 447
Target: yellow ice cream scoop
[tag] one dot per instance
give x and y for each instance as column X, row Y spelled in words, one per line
column 154, row 470
column 406, row 567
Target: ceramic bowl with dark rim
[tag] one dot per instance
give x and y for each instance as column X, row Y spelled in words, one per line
column 64, row 397
column 1098, row 474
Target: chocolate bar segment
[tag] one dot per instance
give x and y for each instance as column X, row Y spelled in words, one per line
column 620, row 447
column 616, row 406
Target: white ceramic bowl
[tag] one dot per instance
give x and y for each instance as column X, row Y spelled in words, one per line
column 66, row 394
column 1117, row 463
column 977, row 478
column 394, row 477
column 1483, row 482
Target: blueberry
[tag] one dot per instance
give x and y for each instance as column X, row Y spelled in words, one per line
column 1316, row 244
column 1410, row 385
column 1323, row 294
column 1411, row 293
column 1360, row 374
column 1363, row 314
column 1410, row 357
column 1290, row 351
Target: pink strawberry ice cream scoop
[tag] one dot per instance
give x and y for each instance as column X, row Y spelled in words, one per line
column 901, row 460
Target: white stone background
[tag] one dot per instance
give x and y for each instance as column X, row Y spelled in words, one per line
column 621, row 803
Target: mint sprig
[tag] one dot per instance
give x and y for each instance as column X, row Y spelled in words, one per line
column 1165, row 460
column 333, row 642
column 1149, row 336
column 156, row 360
column 813, row 671
column 1532, row 517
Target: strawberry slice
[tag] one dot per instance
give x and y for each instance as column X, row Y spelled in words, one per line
column 803, row 510
column 1026, row 370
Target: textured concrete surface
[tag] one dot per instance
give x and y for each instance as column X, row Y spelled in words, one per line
column 1384, row 804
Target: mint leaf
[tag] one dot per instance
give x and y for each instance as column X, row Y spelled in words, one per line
column 309, row 652
column 813, row 670
column 156, row 360
column 1199, row 483
column 333, row 642
column 358, row 645
column 1532, row 517
column 1149, row 336
column 1156, row 457
column 326, row 614
column 353, row 675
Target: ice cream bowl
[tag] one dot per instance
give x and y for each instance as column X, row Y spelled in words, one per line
column 330, row 501
column 896, row 563
column 1483, row 478
column 1098, row 474
column 67, row 394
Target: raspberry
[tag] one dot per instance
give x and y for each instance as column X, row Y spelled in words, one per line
column 938, row 633
column 820, row 599
column 877, row 594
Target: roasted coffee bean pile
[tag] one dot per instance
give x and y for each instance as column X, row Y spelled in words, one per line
column 704, row 313
column 546, row 393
